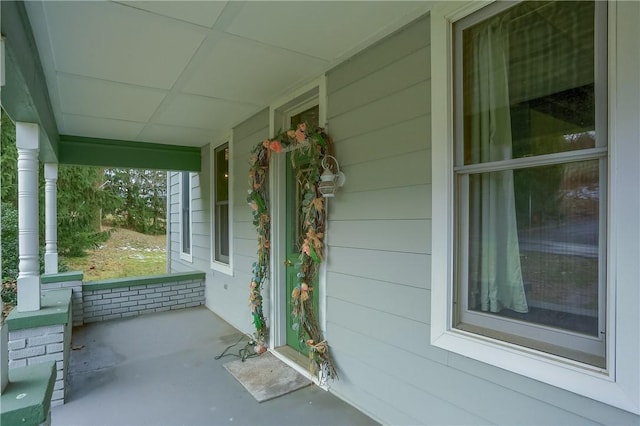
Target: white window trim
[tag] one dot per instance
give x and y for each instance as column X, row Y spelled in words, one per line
column 225, row 268
column 186, row 256
column 619, row 384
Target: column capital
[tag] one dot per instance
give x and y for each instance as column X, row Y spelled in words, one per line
column 27, row 135
column 51, row 171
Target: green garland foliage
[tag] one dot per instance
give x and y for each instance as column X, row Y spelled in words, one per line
column 312, row 146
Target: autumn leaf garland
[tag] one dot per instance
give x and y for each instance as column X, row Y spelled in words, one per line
column 313, row 145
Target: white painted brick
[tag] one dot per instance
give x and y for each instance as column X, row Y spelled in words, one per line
column 169, row 293
column 55, row 347
column 59, row 394
column 120, row 299
column 94, row 297
column 46, row 339
column 127, row 304
column 18, row 363
column 185, row 291
column 168, row 284
column 120, row 310
column 170, row 303
column 148, row 311
column 178, row 297
column 102, row 302
column 112, row 316
column 163, row 309
column 59, row 384
column 17, row 344
column 146, row 291
column 59, row 365
column 93, row 319
column 154, row 286
column 193, row 285
column 137, row 308
column 179, row 287
column 57, row 403
column 89, row 309
column 38, row 331
column 106, row 291
column 112, row 295
column 130, row 293
column 153, row 305
column 27, row 352
column 138, row 297
column 130, row 314
column 180, row 306
column 59, row 374
column 161, row 299
column 58, row 356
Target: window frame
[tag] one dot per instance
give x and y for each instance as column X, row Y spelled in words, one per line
column 218, row 265
column 186, row 256
column 587, row 346
column 619, row 384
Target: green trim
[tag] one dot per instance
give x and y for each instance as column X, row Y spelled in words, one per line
column 127, row 154
column 54, row 310
column 136, row 281
column 25, row 96
column 61, row 277
column 36, row 383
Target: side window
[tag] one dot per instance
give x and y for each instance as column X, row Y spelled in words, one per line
column 185, row 216
column 530, row 159
column 221, row 225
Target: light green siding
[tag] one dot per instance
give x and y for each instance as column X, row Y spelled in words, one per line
column 378, row 279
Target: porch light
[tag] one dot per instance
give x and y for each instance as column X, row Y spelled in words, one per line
column 329, row 182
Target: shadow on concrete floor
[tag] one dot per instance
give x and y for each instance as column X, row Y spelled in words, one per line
column 159, row 369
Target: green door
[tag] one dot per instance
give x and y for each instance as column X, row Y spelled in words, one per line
column 297, row 179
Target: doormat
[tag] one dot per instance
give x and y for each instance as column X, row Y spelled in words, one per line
column 266, row 377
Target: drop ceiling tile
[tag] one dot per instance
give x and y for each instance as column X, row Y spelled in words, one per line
column 246, row 71
column 321, row 29
column 114, row 42
column 203, row 113
column 98, row 98
column 173, row 135
column 203, row 13
column 79, row 125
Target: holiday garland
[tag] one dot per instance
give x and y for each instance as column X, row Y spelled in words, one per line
column 312, row 145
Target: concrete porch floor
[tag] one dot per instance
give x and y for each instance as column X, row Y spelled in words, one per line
column 159, row 369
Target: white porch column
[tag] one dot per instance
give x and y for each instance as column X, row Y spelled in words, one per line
column 29, row 266
column 50, row 218
column 4, row 330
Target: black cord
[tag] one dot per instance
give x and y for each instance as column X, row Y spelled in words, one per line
column 243, row 353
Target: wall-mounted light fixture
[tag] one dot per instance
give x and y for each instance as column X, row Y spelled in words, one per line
column 331, row 178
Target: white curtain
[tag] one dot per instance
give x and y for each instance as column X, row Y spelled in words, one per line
column 495, row 274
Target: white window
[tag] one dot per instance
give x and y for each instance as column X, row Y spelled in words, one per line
column 221, row 239
column 185, row 216
column 524, row 197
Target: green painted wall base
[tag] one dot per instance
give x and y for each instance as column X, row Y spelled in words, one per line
column 27, row 399
column 54, row 310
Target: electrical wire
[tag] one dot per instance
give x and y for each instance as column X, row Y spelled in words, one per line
column 244, row 353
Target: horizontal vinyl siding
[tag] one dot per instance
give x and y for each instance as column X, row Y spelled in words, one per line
column 378, row 269
column 228, row 295
column 379, row 230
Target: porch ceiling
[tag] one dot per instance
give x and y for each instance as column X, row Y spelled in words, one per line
column 184, row 73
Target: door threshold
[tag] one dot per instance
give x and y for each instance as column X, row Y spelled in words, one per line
column 298, row 362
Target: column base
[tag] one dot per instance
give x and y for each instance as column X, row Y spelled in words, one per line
column 51, row 263
column 28, row 294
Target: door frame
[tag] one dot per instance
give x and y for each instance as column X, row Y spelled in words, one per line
column 313, row 93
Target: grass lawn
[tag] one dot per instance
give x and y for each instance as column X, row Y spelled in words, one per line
column 125, row 254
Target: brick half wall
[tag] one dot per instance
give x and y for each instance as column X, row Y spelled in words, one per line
column 121, row 298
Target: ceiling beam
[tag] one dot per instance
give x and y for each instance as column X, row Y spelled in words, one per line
column 25, row 96
column 127, row 154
